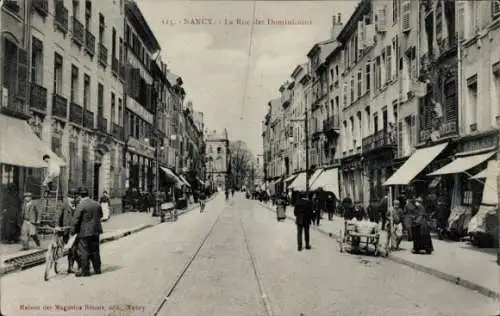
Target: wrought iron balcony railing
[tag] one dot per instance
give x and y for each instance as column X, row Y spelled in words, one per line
column 103, row 55
column 59, row 106
column 76, row 114
column 78, row 32
column 89, row 43
column 88, row 119
column 61, row 17
column 38, row 98
column 378, row 140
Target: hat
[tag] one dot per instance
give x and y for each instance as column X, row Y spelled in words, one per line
column 28, row 194
column 419, row 199
column 83, row 191
column 72, row 192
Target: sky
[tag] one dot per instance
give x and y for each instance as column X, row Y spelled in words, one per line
column 230, row 68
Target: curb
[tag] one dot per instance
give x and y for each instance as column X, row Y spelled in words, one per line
column 434, row 272
column 11, row 267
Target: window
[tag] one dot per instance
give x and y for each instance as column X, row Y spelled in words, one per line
column 385, row 120
column 388, row 63
column 367, row 76
column 360, row 83
column 352, row 88
column 76, row 9
column 375, row 122
column 378, row 75
column 85, row 165
column 394, row 59
column 58, row 74
column 395, row 8
column 88, row 14
column 37, row 61
column 113, row 43
column 368, row 125
column 113, row 109
column 86, row 92
column 120, row 47
column 472, row 99
column 101, row 28
column 495, row 8
column 100, row 100
column 74, row 84
column 73, row 165
column 120, row 112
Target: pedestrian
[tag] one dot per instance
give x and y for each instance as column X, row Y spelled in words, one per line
column 410, row 213
column 396, row 231
column 316, row 209
column 31, row 218
column 347, row 208
column 330, row 204
column 64, row 219
column 303, row 214
column 87, row 224
column 421, row 230
column 104, row 201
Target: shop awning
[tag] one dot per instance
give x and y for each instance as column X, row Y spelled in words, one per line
column 328, row 181
column 415, row 164
column 290, row 178
column 490, row 190
column 171, row 175
column 19, row 145
column 315, row 176
column 186, row 183
column 462, row 164
column 299, row 184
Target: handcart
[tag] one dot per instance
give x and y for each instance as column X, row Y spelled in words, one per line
column 363, row 236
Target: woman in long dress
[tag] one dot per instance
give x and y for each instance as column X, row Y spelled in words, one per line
column 421, row 230
column 104, row 201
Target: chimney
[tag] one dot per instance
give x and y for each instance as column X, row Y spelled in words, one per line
column 334, row 20
column 336, row 26
column 339, row 20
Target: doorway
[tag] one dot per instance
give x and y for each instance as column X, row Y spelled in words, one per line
column 97, row 170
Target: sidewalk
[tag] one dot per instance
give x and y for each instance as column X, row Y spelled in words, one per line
column 456, row 262
column 118, row 226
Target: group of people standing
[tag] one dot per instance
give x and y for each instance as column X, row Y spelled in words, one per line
column 412, row 218
column 79, row 215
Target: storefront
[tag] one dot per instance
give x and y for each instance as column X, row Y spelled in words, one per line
column 21, row 155
column 328, row 181
column 473, row 154
column 378, row 166
column 352, row 179
column 140, row 163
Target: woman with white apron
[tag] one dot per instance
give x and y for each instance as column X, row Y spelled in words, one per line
column 104, row 201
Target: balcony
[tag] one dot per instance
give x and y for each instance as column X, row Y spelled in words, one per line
column 381, row 139
column 331, row 124
column 38, row 98
column 446, row 130
column 115, row 66
column 286, row 98
column 61, row 17
column 89, row 43
column 122, row 71
column 59, row 106
column 78, row 32
column 103, row 55
column 88, row 119
column 75, row 114
column 42, row 7
column 117, row 131
column 102, row 125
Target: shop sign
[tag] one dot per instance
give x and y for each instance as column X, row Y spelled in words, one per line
column 480, row 143
column 140, row 147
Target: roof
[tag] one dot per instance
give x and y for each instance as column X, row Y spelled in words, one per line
column 327, row 49
column 318, row 46
column 140, row 24
column 275, row 105
column 363, row 7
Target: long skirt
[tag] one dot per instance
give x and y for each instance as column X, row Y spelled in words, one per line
column 421, row 239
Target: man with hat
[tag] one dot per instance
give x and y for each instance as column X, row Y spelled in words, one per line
column 87, row 224
column 64, row 219
column 31, row 218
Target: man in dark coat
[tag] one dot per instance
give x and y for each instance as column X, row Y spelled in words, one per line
column 330, row 205
column 64, row 218
column 87, row 224
column 303, row 214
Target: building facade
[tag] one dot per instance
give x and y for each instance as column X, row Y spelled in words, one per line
column 217, row 159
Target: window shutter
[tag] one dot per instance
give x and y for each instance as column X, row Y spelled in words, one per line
column 495, row 8
column 361, row 37
column 406, row 16
column 22, row 74
column 400, row 139
column 413, row 126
